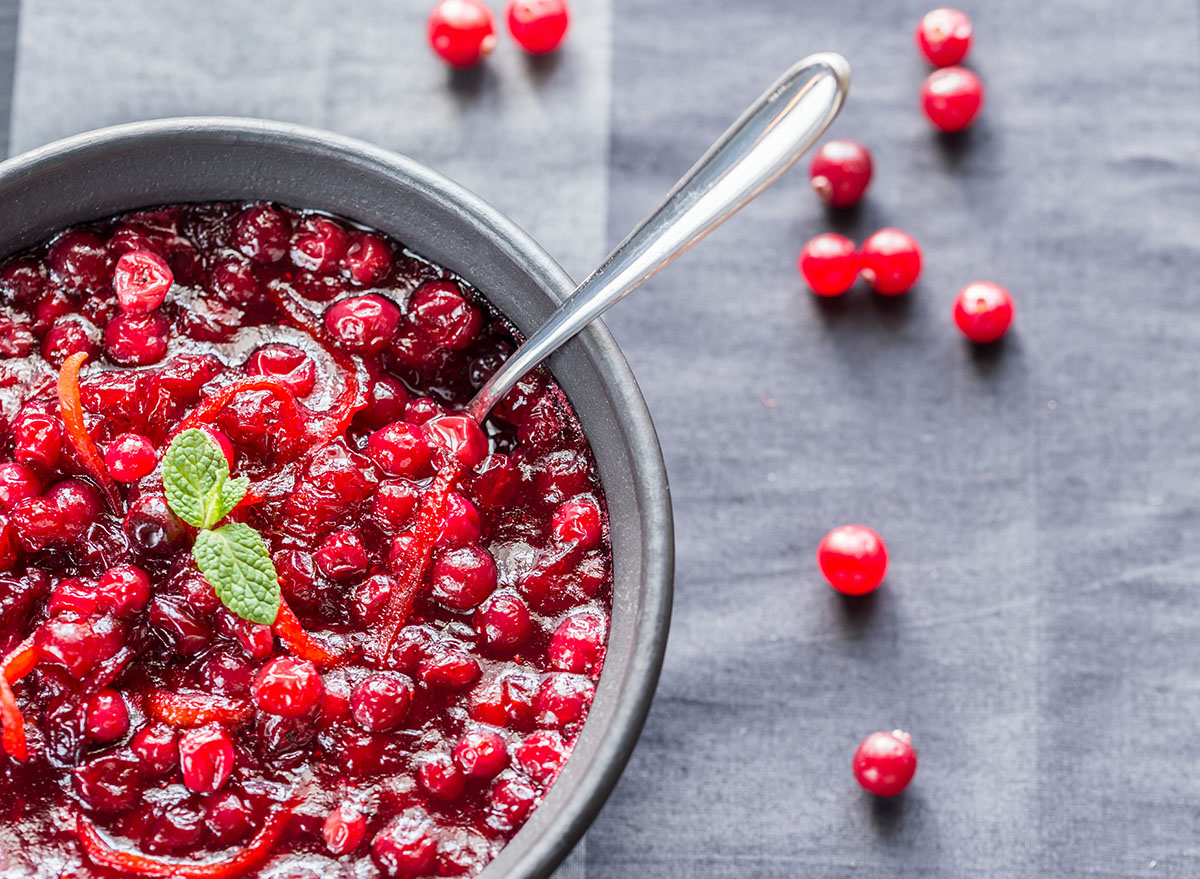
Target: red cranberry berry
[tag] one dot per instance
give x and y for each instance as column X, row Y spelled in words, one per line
column 393, row 505
column 511, row 801
column 232, row 280
column 10, row 546
column 829, row 264
column 885, row 763
column 563, row 699
column 387, row 402
column 401, row 449
column 451, row 668
column 288, row 687
column 179, row 624
column 406, row 847
column 123, row 591
column 137, row 339
column 341, row 556
column 73, row 595
column 381, row 701
column 538, row 26
column 439, row 310
column 75, row 645
column 438, row 774
column 463, row 577
column 423, row 410
column 944, row 36
column 37, row 522
column 344, row 829
column 78, row 505
column 227, row 674
column 578, row 643
column 481, row 754
column 16, row 335
column 462, row 32
column 320, row 245
column 152, row 528
column 24, row 280
column 460, row 522
column 890, row 261
column 458, row 436
column 81, row 262
column 951, row 98
column 263, row 233
column 227, row 817
column 110, row 782
column 368, row 259
column 579, row 522
column 288, row 364
column 541, row 755
column 69, row 335
column 129, row 457
column 983, row 311
column 17, row 482
column 206, row 757
column 840, row 172
column 853, row 559
column 106, row 716
column 503, row 621
column 37, row 440
column 141, row 281
column 157, row 746
column 363, row 324
column 506, row 700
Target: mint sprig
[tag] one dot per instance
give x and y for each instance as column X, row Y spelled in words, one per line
column 234, row 557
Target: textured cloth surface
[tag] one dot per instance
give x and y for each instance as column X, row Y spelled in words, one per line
column 1039, row 632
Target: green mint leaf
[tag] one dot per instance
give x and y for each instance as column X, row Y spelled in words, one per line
column 196, row 479
column 235, row 561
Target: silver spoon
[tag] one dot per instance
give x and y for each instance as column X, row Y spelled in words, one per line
column 767, row 140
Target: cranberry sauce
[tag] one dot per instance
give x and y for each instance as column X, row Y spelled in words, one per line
column 160, row 728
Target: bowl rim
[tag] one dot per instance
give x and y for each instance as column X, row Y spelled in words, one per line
column 559, row 831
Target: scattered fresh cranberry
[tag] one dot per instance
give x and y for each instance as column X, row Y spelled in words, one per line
column 206, row 756
column 37, row 440
column 944, row 36
column 157, row 746
column 890, row 261
column 341, row 556
column 511, row 802
column 69, row 335
column 563, row 699
column 503, row 621
column 829, row 264
column 141, row 281
column 129, row 457
column 840, row 172
column 983, row 311
column 538, row 26
column 17, row 482
column 344, row 829
column 81, row 262
column 462, row 32
column 288, row 687
column 951, row 98
column 885, row 763
column 458, row 436
column 541, row 755
column 151, row 527
column 460, row 522
column 853, row 559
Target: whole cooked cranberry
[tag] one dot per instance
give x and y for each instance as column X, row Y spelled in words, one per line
column 227, row 817
column 438, row 774
column 511, row 801
column 287, row 363
column 363, row 324
column 463, row 577
column 111, row 782
column 561, row 475
column 542, row 427
column 227, row 674
column 16, row 335
column 577, row 645
column 423, row 410
column 262, row 233
column 951, row 98
column 412, row 645
column 538, row 26
column 17, row 482
column 460, row 522
column 944, row 36
column 257, row 640
column 176, row 827
column 298, row 578
column 541, row 755
column 123, row 591
column 319, row 245
column 381, row 701
column 493, row 482
column 414, row 350
column 129, row 457
column 78, row 504
column 24, row 280
column 371, row 598
column 368, row 259
column 152, row 528
column 829, row 264
column 506, row 700
column 81, row 261
column 853, row 559
column 579, row 522
column 885, row 763
column 406, row 847
column 840, row 172
column 563, row 699
column 185, row 374
column 137, row 339
column 288, row 687
column 54, row 305
column 233, row 281
column 199, row 594
column 458, row 436
column 448, row 667
column 481, row 754
column 69, row 335
column 401, row 449
column 75, row 595
column 179, row 625
column 284, row 737
column 37, row 440
column 344, row 829
column 386, row 403
column 141, row 281
column 983, row 311
column 890, row 261
column 206, row 758
column 157, row 747
column 393, row 505
column 439, row 310
column 341, row 556
column 503, row 622
column 37, row 523
column 106, row 716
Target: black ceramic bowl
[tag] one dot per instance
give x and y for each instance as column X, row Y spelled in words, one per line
column 106, row 172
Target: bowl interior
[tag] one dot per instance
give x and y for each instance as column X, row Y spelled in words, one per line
column 106, row 172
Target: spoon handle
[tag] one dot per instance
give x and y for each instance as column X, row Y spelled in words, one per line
column 767, row 140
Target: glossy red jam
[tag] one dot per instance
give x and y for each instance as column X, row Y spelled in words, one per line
column 327, row 362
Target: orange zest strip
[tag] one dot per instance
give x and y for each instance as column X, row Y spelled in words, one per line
column 187, row 710
column 302, row 644
column 416, row 561
column 238, row 864
column 72, row 414
column 15, row 666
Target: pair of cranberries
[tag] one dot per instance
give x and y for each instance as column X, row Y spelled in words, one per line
column 463, row 32
column 951, row 96
column 889, row 260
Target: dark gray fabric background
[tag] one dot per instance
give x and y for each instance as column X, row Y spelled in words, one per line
column 1039, row 632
